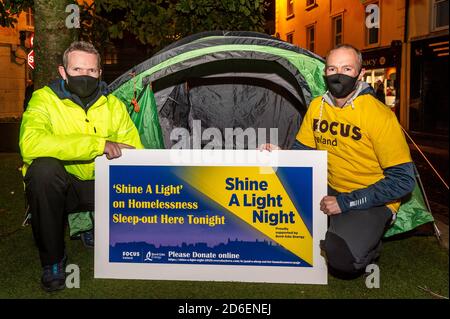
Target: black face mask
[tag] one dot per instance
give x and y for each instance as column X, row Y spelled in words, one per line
column 341, row 85
column 82, row 85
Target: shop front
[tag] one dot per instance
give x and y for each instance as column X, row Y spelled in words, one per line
column 382, row 67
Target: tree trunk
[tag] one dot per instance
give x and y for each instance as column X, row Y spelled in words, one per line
column 52, row 38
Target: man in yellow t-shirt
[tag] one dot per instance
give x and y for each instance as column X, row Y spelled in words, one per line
column 369, row 163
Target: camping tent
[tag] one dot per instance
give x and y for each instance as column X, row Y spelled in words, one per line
column 236, row 80
column 233, row 80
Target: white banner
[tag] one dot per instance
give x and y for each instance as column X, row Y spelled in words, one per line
column 211, row 215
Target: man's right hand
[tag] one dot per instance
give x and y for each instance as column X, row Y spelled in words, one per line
column 269, row 147
column 113, row 149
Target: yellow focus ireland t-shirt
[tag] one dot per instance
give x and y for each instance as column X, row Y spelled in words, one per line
column 361, row 141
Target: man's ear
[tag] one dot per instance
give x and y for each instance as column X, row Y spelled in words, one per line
column 62, row 72
column 361, row 74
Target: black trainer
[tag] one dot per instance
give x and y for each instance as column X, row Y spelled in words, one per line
column 54, row 276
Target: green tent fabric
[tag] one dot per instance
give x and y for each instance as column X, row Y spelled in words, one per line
column 80, row 222
column 412, row 213
column 147, row 122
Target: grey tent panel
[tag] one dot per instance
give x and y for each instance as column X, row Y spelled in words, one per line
column 239, row 62
column 208, row 42
column 238, row 97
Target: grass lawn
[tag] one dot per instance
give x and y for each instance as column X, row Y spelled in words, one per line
column 405, row 265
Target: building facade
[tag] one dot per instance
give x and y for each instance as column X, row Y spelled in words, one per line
column 426, row 60
column 15, row 73
column 387, row 32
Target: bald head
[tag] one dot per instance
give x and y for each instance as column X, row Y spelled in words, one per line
column 344, row 59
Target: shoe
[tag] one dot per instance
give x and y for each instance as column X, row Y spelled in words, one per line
column 88, row 238
column 54, row 276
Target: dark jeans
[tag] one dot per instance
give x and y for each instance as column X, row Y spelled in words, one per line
column 52, row 193
column 353, row 239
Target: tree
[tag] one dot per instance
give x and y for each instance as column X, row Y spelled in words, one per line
column 52, row 34
column 161, row 22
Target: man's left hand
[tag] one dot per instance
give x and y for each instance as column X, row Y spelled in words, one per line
column 330, row 206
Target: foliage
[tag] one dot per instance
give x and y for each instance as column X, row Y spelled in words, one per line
column 155, row 23
column 161, row 22
column 93, row 27
column 9, row 11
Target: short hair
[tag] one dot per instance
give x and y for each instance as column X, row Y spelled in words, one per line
column 81, row 46
column 350, row 47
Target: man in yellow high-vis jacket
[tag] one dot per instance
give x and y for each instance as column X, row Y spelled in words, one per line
column 66, row 125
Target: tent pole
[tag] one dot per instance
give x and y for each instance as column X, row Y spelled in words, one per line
column 426, row 159
column 437, row 232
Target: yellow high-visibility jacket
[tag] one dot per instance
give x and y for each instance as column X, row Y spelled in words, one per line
column 53, row 125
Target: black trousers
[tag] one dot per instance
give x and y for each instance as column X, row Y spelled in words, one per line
column 52, row 193
column 353, row 239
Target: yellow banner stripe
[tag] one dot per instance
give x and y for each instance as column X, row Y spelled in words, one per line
column 281, row 224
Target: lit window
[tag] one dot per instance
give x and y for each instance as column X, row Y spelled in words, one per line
column 110, row 56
